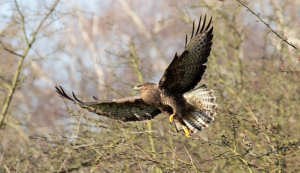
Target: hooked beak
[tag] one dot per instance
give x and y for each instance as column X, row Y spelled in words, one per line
column 136, row 87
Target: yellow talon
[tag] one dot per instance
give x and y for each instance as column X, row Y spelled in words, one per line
column 187, row 131
column 171, row 118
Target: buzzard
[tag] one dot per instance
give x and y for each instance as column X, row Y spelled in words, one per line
column 190, row 106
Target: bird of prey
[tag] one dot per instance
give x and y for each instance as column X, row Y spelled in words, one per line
column 178, row 94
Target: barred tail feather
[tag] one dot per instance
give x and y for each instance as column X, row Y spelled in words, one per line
column 197, row 120
column 204, row 101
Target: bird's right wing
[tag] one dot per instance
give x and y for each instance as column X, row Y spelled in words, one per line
column 186, row 70
column 126, row 109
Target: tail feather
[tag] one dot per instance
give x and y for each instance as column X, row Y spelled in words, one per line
column 204, row 101
column 193, row 127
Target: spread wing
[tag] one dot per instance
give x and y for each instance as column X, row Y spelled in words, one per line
column 186, row 70
column 126, row 109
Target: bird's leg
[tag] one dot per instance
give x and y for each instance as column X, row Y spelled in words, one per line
column 177, row 124
column 187, row 131
column 171, row 118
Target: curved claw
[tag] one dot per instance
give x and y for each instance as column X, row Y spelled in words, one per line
column 187, row 132
column 171, row 118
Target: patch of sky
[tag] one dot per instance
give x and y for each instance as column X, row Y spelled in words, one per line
column 6, row 13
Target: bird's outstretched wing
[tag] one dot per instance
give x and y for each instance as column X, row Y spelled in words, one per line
column 186, row 70
column 126, row 109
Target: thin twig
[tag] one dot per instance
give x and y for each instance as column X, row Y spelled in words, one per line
column 191, row 159
column 22, row 21
column 10, row 50
column 267, row 25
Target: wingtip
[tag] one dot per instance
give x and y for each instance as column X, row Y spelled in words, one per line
column 202, row 27
column 76, row 98
column 209, row 25
column 61, row 92
column 203, row 24
column 199, row 23
column 193, row 30
column 185, row 40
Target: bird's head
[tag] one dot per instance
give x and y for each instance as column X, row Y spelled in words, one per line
column 144, row 86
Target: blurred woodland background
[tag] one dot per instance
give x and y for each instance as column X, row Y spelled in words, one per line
column 104, row 47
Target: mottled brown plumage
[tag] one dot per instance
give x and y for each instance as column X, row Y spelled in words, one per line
column 186, row 70
column 192, row 109
column 125, row 109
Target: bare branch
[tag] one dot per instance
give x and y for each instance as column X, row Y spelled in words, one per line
column 22, row 21
column 136, row 67
column 136, row 19
column 10, row 50
column 267, row 25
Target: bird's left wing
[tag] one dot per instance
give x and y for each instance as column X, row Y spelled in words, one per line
column 186, row 70
column 126, row 109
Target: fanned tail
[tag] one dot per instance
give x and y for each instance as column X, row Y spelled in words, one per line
column 205, row 102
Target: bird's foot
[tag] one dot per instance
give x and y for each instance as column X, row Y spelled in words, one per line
column 171, row 118
column 187, row 131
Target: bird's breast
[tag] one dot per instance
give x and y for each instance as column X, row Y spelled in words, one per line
column 151, row 97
